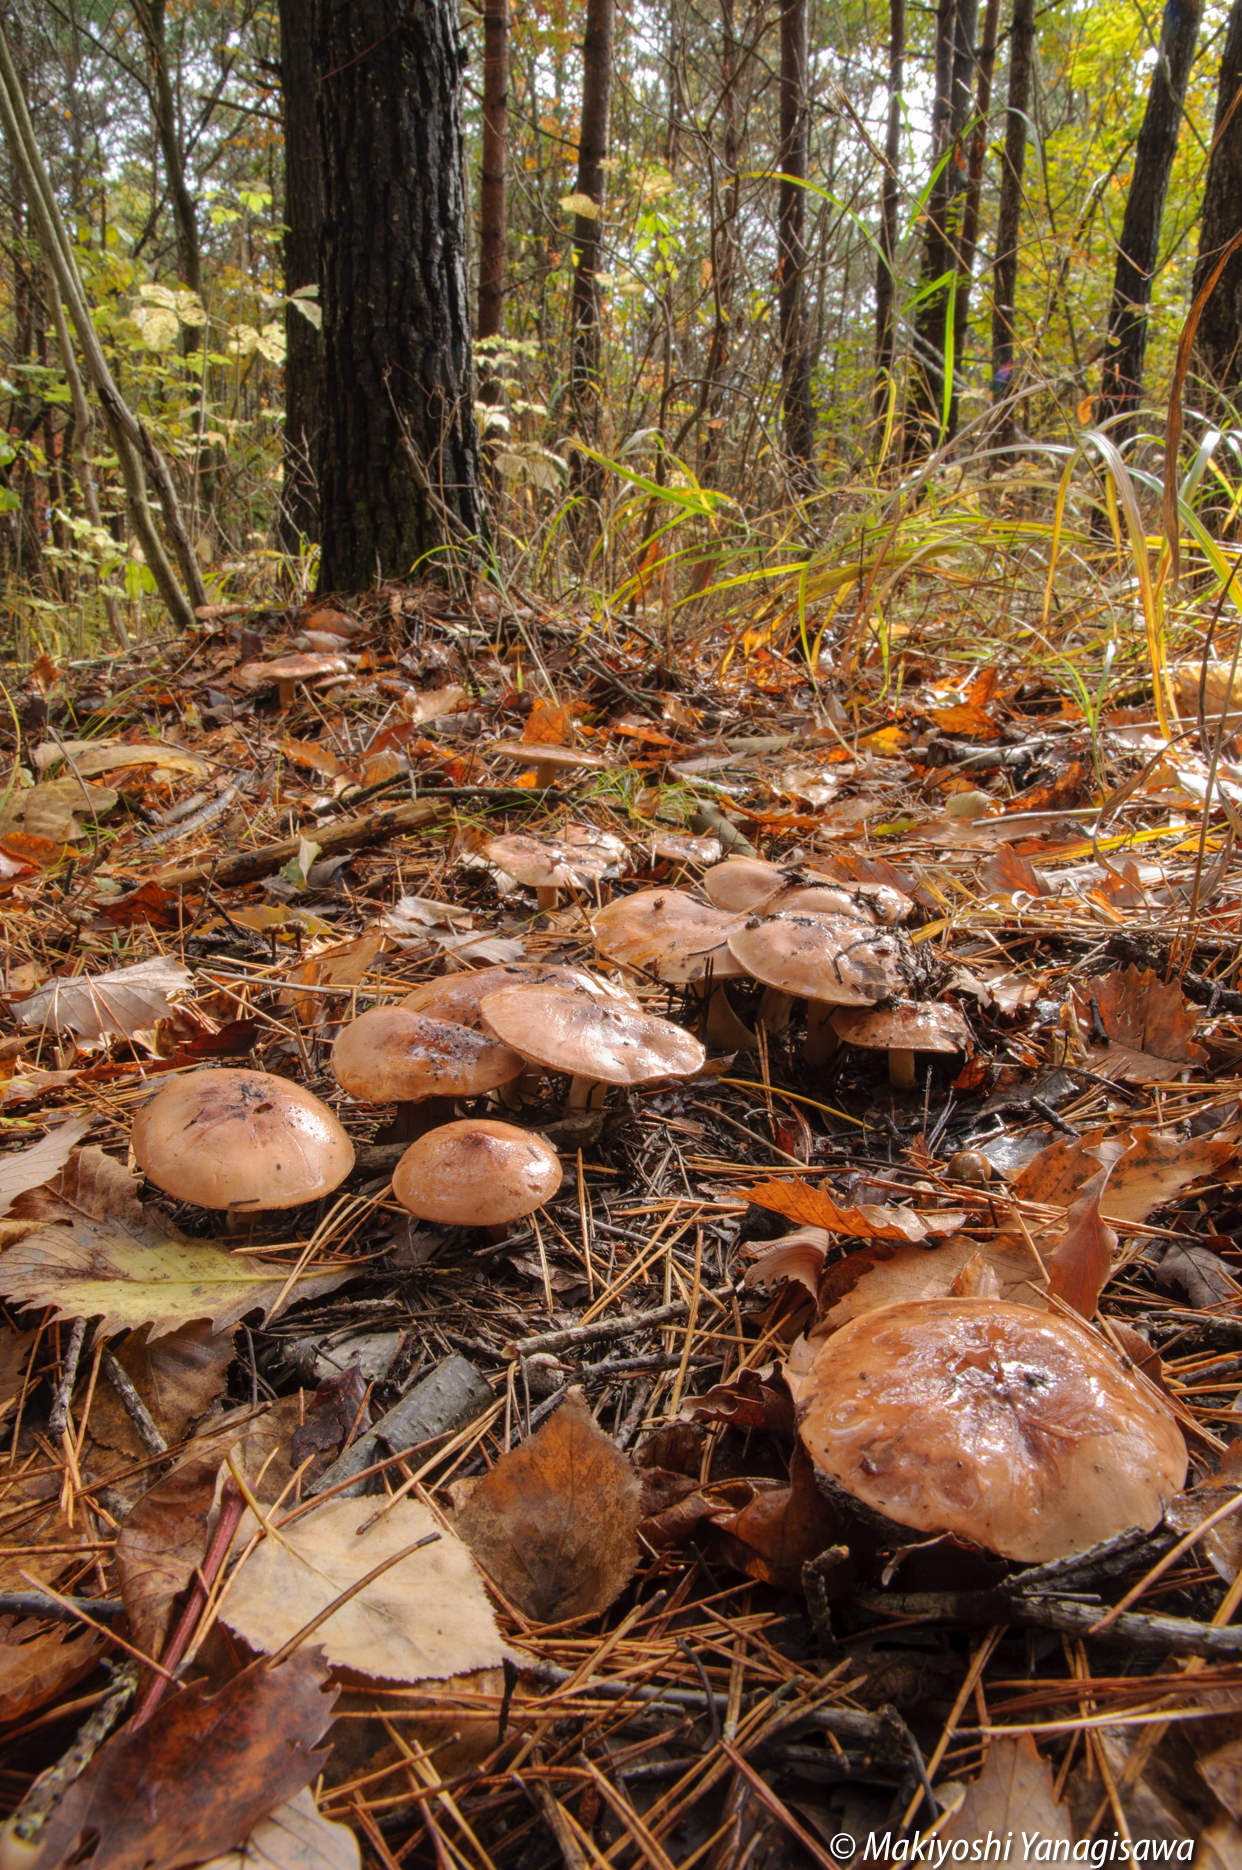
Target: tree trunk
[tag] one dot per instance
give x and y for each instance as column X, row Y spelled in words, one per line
column 937, row 345
column 400, row 456
column 885, row 275
column 492, row 226
column 1218, row 341
column 793, row 158
column 152, row 16
column 725, row 199
column 1009, row 212
column 584, row 364
column 1139, row 246
column 974, row 183
column 299, row 503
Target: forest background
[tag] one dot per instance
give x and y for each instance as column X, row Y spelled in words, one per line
column 803, row 294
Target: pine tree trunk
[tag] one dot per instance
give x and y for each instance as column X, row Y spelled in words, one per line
column 303, row 225
column 1218, row 341
column 492, row 227
column 933, row 414
column 585, row 355
column 724, row 241
column 974, row 183
column 152, row 20
column 1138, row 249
column 793, row 157
column 1009, row 211
column 400, row 457
column 885, row 276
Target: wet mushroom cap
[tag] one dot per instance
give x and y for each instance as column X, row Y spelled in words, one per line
column 459, row 997
column 289, row 669
column 1015, row 1430
column 477, row 1173
column 394, row 1055
column 535, row 863
column 820, row 958
column 668, row 934
column 741, row 882
column 609, row 1041
column 244, row 1140
column 908, row 1025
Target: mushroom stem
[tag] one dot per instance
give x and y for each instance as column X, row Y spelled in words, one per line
column 286, row 692
column 413, row 1117
column 901, row 1067
column 821, row 1039
column 545, row 775
column 775, row 1008
column 547, row 898
column 722, row 1029
column 585, row 1093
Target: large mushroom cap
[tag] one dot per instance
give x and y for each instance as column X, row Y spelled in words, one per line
column 911, row 1025
column 393, row 1055
column 535, row 863
column 668, row 934
column 243, row 1140
column 476, row 1174
column 820, row 958
column 459, row 997
column 532, row 753
column 289, row 669
column 606, row 1040
column 740, row 882
column 1013, row 1429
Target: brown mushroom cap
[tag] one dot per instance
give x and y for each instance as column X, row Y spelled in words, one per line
column 535, row 863
column 478, row 1173
column 531, row 753
column 668, row 934
column 741, row 882
column 459, row 997
column 911, row 1026
column 820, row 958
column 1016, row 1430
column 244, row 1140
column 393, row 1055
column 608, row 1041
column 289, row 669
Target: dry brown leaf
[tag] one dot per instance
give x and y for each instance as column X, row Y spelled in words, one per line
column 798, row 1257
column 750, row 1402
column 104, row 1254
column 120, row 1004
column 1013, row 1794
column 109, row 758
column 1081, row 1263
column 58, row 810
column 37, row 1664
column 177, row 1377
column 311, row 753
column 1223, row 1772
column 342, row 965
column 774, row 1536
column 15, row 1349
column 294, row 1837
column 159, row 1544
column 869, row 1221
column 30, row 1168
column 1149, row 1025
column 1154, row 1169
column 554, row 1524
column 864, row 1281
column 425, row 1618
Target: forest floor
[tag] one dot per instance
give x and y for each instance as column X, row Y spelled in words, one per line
column 683, row 1653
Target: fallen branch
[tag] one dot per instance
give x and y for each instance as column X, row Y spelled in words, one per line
column 606, row 1328
column 350, row 833
column 1178, row 1636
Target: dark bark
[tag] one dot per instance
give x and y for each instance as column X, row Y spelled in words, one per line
column 1218, row 341
column 726, row 198
column 793, row 156
column 585, row 358
column 492, row 225
column 400, row 455
column 303, row 227
column 1009, row 211
column 974, row 172
column 1139, row 246
column 933, row 417
column 885, row 277
column 151, row 16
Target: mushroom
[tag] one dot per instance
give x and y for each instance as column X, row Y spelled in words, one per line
column 683, row 942
column 396, row 1055
column 1016, row 1430
column 476, row 1173
column 596, row 1041
column 287, row 671
column 826, row 961
column 241, row 1140
column 549, row 762
column 748, row 883
column 549, row 865
column 902, row 1029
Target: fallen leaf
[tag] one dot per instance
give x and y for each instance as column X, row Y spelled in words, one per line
column 58, row 810
column 1154, row 1169
column 1223, row 1772
column 121, row 1003
column 774, row 1536
column 156, row 1799
column 294, row 1837
column 425, row 1618
column 108, row 757
column 869, row 1221
column 798, row 1257
column 1012, row 1794
column 1198, row 1272
column 37, row 1664
column 311, row 753
column 862, row 1282
column 105, row 1255
column 177, row 1377
column 342, row 965
column 160, row 1542
column 338, row 1410
column 1150, row 1027
column 1081, row 1263
column 30, row 1168
column 554, row 1524
column 750, row 1402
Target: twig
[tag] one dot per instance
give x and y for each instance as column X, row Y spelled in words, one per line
column 606, row 1328
column 135, row 1408
column 50, row 1787
column 58, row 1420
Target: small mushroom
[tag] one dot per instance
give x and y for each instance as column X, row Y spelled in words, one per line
column 396, row 1055
column 681, row 941
column 477, row 1173
column 549, row 762
column 596, row 1041
column 901, row 1030
column 240, row 1140
column 287, row 671
column 825, row 960
column 1015, row 1430
column 549, row 865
